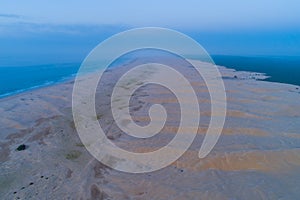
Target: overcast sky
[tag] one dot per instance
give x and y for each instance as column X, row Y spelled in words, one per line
column 256, row 27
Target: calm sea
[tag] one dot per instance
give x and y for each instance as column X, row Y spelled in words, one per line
column 18, row 79
column 283, row 69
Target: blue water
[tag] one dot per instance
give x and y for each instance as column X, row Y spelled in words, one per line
column 14, row 80
column 18, row 79
column 284, row 69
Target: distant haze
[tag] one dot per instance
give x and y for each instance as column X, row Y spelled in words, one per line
column 65, row 31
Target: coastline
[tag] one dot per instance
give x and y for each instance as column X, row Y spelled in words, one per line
column 259, row 144
column 33, row 88
column 225, row 61
column 280, row 69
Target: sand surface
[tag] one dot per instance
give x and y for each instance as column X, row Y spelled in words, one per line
column 256, row 157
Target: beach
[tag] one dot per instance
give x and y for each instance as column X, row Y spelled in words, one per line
column 256, row 157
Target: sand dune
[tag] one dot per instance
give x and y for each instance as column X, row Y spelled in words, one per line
column 257, row 156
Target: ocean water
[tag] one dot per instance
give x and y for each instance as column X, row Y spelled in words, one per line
column 14, row 80
column 282, row 69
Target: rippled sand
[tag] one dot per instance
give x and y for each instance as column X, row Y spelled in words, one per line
column 256, row 157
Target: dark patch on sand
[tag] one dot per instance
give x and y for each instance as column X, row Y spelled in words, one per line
column 22, row 147
column 99, row 170
column 40, row 136
column 48, row 119
column 19, row 134
column 73, row 155
column 69, row 173
column 5, row 151
column 96, row 194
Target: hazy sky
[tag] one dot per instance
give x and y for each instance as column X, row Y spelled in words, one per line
column 205, row 14
column 256, row 27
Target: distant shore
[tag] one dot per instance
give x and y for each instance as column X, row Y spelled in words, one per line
column 281, row 69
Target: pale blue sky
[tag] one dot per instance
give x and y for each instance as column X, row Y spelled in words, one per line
column 214, row 14
column 67, row 30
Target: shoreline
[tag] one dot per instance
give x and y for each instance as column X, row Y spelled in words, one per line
column 267, row 78
column 282, row 69
column 37, row 87
column 72, row 78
